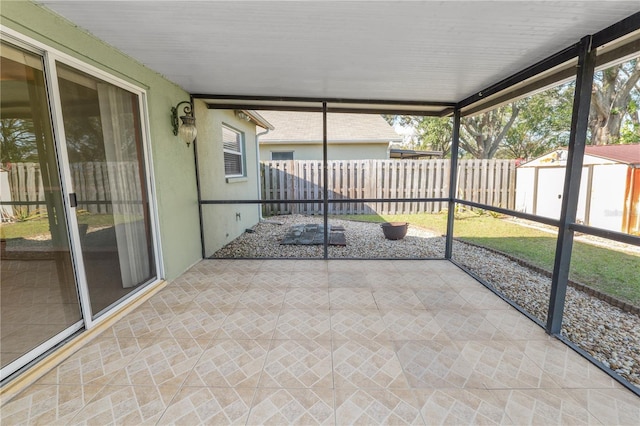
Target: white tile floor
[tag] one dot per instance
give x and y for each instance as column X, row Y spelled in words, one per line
column 337, row 342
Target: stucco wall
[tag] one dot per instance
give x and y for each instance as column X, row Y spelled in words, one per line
column 173, row 165
column 334, row 151
column 223, row 223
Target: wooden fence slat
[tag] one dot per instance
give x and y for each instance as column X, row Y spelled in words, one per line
column 512, row 186
column 491, row 196
column 376, row 191
column 32, row 195
column 352, row 185
column 505, row 182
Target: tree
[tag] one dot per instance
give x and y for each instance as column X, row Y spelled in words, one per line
column 482, row 134
column 615, row 97
column 425, row 133
column 84, row 138
column 17, row 140
column 543, row 124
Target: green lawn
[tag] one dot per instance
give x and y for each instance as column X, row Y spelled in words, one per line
column 32, row 227
column 610, row 271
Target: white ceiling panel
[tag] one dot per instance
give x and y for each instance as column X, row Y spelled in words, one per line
column 417, row 51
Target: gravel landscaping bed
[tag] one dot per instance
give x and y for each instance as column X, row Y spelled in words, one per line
column 609, row 334
column 364, row 240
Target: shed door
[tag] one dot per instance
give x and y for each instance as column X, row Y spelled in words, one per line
column 607, row 196
column 549, row 192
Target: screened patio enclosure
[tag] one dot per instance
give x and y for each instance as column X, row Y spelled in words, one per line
column 222, row 83
column 324, row 201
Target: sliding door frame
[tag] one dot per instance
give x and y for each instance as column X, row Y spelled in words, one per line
column 50, row 57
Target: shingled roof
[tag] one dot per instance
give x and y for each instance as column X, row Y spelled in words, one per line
column 629, row 154
column 306, row 127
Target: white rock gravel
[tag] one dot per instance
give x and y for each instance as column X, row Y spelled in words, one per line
column 364, row 240
column 609, row 334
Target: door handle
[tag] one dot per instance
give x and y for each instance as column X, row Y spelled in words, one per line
column 73, row 200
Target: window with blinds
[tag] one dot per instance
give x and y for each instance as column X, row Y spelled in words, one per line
column 232, row 147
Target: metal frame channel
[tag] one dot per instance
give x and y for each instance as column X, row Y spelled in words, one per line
column 259, row 107
column 575, row 157
column 345, row 110
column 276, row 99
column 617, row 30
column 453, row 176
column 417, row 259
column 532, row 71
column 390, row 111
column 605, row 233
column 521, row 215
column 330, row 201
column 525, row 90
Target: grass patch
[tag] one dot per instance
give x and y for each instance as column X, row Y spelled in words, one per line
column 606, row 270
column 40, row 226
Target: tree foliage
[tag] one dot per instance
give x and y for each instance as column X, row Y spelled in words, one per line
column 614, row 116
column 427, row 133
column 544, row 124
column 17, row 140
column 482, row 134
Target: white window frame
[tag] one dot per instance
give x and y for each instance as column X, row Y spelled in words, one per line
column 240, row 153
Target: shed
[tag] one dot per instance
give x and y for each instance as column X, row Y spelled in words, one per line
column 609, row 189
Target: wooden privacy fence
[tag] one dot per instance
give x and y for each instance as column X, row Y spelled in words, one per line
column 484, row 181
column 91, row 185
column 491, row 182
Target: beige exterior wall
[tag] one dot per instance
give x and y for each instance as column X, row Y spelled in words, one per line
column 334, row 151
column 222, row 223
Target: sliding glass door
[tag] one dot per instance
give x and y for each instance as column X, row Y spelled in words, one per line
column 104, row 146
column 77, row 229
column 39, row 301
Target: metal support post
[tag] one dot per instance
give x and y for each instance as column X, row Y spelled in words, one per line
column 325, row 180
column 453, row 174
column 577, row 141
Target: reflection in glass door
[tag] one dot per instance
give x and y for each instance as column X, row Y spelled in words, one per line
column 103, row 138
column 37, row 285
